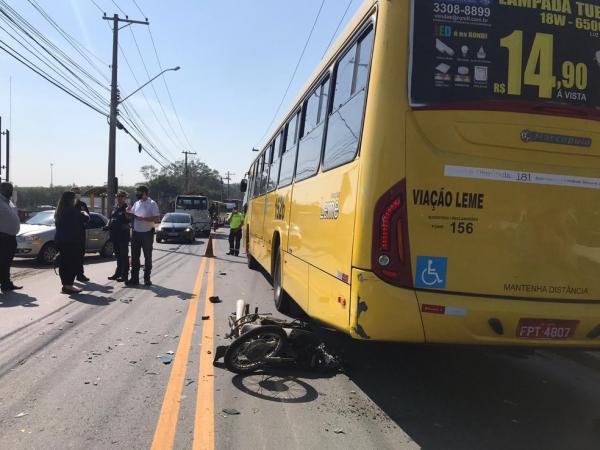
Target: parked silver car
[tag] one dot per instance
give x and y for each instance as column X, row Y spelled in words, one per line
column 36, row 237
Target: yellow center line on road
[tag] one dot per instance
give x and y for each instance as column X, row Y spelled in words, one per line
column 204, row 424
column 164, row 435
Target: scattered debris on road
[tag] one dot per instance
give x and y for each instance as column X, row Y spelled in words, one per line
column 205, row 317
column 22, row 414
column 215, row 299
column 170, row 352
column 126, row 300
column 339, row 431
column 188, row 381
column 231, row 411
column 168, row 359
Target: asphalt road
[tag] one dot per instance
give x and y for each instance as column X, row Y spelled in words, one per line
column 88, row 372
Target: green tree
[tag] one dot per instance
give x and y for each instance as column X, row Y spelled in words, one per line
column 165, row 184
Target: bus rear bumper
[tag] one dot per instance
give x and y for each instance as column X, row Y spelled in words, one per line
column 449, row 318
column 382, row 312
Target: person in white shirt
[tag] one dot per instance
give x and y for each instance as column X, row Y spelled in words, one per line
column 9, row 228
column 145, row 214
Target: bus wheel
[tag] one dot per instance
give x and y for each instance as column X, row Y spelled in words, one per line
column 282, row 302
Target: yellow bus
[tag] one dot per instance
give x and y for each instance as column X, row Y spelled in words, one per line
column 438, row 178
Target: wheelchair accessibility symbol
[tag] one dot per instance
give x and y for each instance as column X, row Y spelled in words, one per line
column 431, row 272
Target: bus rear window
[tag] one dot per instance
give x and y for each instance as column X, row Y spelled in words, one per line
column 192, row 203
column 505, row 53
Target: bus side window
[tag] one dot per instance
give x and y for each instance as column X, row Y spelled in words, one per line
column 266, row 166
column 309, row 151
column 258, row 174
column 288, row 158
column 346, row 119
column 276, row 157
column 251, row 181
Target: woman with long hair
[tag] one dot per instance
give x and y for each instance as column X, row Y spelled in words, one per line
column 70, row 222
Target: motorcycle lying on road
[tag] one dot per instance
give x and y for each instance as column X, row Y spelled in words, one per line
column 261, row 340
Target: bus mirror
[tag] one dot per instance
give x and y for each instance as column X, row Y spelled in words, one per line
column 244, row 185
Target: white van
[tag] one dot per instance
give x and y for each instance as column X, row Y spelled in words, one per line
column 197, row 207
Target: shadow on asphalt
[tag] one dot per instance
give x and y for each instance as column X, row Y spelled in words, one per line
column 469, row 398
column 277, row 386
column 227, row 258
column 165, row 292
column 11, row 299
column 95, row 287
column 90, row 299
column 35, row 264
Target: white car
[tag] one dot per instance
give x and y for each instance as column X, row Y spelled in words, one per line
column 36, row 237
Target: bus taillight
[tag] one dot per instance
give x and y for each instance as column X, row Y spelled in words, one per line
column 391, row 254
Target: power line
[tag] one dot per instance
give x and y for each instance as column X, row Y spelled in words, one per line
column 16, row 55
column 168, row 90
column 139, row 9
column 18, row 24
column 148, row 102
column 154, row 89
column 78, row 46
column 119, row 8
column 163, row 77
column 294, row 73
column 337, row 28
column 94, row 96
column 96, row 5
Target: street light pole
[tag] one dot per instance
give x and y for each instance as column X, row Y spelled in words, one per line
column 51, row 175
column 174, row 69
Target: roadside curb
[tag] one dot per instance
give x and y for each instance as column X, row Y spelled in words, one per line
column 589, row 359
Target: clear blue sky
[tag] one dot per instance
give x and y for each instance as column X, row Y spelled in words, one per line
column 236, row 58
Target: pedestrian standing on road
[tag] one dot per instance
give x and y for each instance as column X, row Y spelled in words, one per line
column 119, row 230
column 70, row 231
column 236, row 220
column 9, row 227
column 145, row 214
column 81, row 206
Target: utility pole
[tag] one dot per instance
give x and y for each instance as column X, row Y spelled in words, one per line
column 187, row 175
column 114, row 103
column 51, row 175
column 228, row 178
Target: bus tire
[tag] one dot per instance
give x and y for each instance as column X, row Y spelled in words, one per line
column 282, row 301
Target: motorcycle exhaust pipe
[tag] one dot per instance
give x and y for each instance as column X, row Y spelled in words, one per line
column 239, row 309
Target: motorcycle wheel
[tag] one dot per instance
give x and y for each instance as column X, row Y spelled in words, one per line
column 246, row 354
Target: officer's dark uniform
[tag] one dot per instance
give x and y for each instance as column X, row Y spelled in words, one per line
column 120, row 237
column 82, row 206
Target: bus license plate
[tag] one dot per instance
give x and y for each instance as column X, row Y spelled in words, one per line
column 546, row 329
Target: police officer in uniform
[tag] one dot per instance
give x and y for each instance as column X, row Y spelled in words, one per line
column 119, row 229
column 82, row 207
